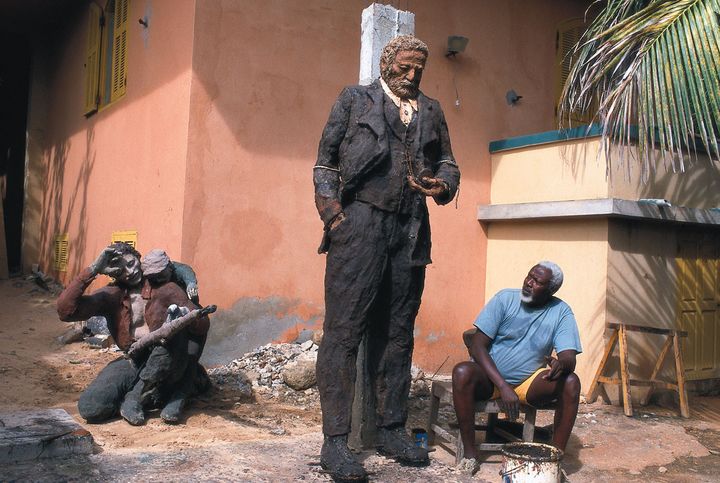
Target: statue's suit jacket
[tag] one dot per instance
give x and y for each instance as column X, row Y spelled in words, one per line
column 355, row 141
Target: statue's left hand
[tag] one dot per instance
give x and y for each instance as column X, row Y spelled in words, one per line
column 174, row 312
column 429, row 187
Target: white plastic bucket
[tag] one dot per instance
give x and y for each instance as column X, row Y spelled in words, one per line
column 530, row 462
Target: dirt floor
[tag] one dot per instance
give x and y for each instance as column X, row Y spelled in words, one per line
column 228, row 437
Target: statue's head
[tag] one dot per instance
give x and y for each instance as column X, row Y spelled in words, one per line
column 401, row 65
column 127, row 260
column 156, row 266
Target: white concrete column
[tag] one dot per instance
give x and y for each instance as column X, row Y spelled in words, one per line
column 380, row 24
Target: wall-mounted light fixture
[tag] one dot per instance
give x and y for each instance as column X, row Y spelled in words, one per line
column 456, row 44
column 512, row 97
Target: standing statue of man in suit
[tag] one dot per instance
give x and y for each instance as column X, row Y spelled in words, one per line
column 384, row 149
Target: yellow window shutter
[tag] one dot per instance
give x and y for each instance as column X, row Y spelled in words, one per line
column 126, row 236
column 119, row 50
column 92, row 60
column 568, row 34
column 60, row 250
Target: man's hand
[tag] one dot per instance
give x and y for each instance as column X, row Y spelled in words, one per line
column 192, row 291
column 337, row 221
column 428, row 186
column 509, row 402
column 106, row 263
column 557, row 368
column 174, row 312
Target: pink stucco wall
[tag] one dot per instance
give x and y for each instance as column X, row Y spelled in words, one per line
column 265, row 74
column 122, row 168
column 210, row 153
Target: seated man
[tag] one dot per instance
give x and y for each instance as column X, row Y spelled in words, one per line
column 518, row 330
column 132, row 309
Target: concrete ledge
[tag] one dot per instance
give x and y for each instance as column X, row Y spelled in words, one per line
column 605, row 207
column 43, row 433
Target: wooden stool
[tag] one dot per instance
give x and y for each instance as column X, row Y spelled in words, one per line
column 619, row 336
column 442, row 391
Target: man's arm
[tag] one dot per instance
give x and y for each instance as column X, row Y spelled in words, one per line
column 443, row 184
column 188, row 280
column 72, row 305
column 446, row 169
column 326, row 173
column 479, row 344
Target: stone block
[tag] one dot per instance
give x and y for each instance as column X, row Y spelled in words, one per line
column 41, row 433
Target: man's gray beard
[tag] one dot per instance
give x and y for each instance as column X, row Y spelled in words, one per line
column 526, row 299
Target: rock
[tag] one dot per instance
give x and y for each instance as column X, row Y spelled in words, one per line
column 662, row 469
column 73, row 334
column 300, row 375
column 97, row 325
column 307, row 345
column 41, row 433
column 317, row 337
column 305, row 335
column 99, row 341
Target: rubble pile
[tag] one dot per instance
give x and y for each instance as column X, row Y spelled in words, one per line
column 261, row 373
column 272, row 371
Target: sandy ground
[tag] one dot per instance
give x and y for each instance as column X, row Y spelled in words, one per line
column 227, row 438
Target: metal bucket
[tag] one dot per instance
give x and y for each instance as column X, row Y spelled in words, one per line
column 530, row 462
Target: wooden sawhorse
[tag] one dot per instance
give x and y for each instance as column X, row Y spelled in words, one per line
column 619, row 336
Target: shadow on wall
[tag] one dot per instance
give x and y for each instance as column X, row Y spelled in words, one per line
column 697, row 187
column 250, row 323
column 58, row 213
column 643, row 289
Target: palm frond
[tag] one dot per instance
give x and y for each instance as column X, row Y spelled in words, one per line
column 651, row 68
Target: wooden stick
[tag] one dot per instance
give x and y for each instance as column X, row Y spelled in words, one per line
column 594, row 386
column 168, row 329
column 624, row 373
column 680, row 369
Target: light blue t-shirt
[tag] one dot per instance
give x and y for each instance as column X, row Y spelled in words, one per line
column 523, row 336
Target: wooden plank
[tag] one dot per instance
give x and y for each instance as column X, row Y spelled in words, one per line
column 432, row 419
column 529, row 425
column 609, row 380
column 680, row 369
column 593, row 391
column 442, row 433
column 624, row 375
column 648, row 330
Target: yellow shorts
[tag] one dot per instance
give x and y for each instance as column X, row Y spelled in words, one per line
column 522, row 388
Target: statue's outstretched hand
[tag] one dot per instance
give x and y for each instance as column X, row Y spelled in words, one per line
column 428, row 186
column 174, row 312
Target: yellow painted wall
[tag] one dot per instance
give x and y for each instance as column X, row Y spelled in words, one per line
column 697, row 187
column 551, row 172
column 580, row 248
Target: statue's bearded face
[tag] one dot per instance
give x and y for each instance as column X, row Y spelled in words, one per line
column 404, row 73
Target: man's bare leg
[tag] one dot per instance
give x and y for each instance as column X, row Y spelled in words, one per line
column 566, row 391
column 470, row 384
